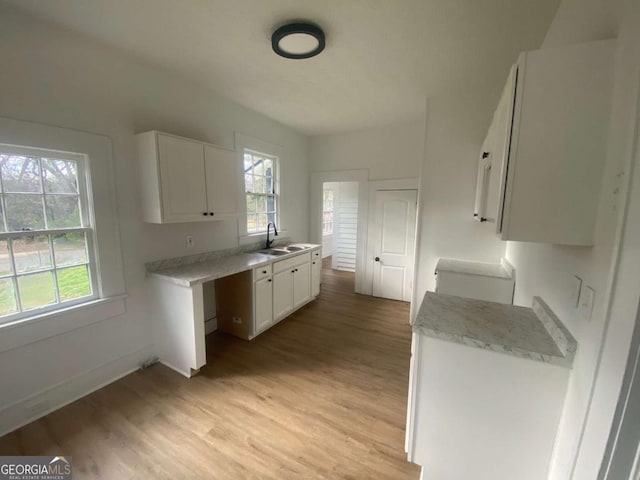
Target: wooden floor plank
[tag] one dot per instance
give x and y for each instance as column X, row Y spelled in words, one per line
column 320, row 395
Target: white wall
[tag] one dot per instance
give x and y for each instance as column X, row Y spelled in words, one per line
column 546, row 270
column 391, row 151
column 455, row 129
column 53, row 77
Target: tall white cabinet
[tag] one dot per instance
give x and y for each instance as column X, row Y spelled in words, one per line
column 185, row 180
column 540, row 169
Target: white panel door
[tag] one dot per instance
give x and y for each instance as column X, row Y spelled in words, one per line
column 316, row 273
column 221, row 173
column 301, row 284
column 394, row 244
column 263, row 304
column 184, row 196
column 282, row 294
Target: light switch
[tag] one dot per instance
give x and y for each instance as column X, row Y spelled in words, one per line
column 587, row 297
column 576, row 286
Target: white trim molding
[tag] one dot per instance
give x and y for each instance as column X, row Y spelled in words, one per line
column 38, row 405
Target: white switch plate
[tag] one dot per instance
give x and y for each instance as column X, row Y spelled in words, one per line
column 189, row 241
column 587, row 297
column 576, row 286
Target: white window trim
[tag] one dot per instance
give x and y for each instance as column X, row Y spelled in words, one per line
column 246, row 142
column 109, row 285
column 86, row 216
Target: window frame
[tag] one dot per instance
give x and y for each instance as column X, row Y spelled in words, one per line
column 87, row 220
column 275, row 190
column 325, row 210
column 242, row 142
column 111, row 291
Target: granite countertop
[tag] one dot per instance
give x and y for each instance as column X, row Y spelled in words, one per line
column 215, row 265
column 495, row 270
column 534, row 333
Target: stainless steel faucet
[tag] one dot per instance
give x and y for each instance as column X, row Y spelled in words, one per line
column 275, row 234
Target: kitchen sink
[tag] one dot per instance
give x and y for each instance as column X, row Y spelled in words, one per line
column 274, row 251
column 295, row 248
column 277, row 251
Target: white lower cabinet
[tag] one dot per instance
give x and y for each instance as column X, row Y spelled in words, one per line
column 263, row 304
column 250, row 302
column 316, row 273
column 301, row 284
column 282, row 294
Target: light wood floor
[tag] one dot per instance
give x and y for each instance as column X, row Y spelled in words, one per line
column 320, row 395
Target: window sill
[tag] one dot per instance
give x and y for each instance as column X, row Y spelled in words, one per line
column 40, row 327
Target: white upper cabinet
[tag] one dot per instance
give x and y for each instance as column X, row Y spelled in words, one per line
column 221, row 179
column 540, row 169
column 185, row 180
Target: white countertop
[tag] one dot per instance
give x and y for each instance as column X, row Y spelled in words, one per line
column 221, row 266
column 495, row 270
column 533, row 333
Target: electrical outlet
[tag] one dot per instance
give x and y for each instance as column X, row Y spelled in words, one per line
column 237, row 320
column 189, row 241
column 576, row 287
column 587, row 297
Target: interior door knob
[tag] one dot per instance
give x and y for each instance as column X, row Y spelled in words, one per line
column 377, row 259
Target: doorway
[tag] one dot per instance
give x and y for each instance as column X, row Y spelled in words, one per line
column 340, row 224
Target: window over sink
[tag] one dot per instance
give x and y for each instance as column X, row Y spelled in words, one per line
column 261, row 183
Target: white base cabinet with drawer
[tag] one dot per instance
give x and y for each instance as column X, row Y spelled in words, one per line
column 251, row 302
column 263, row 307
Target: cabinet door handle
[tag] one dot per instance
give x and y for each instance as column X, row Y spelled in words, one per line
column 264, row 271
column 269, row 280
column 211, row 213
column 205, row 213
column 293, row 271
column 377, row 259
column 314, row 263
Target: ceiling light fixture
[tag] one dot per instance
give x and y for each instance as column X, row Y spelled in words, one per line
column 298, row 40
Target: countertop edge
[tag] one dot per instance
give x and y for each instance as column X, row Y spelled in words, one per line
column 467, row 267
column 494, row 347
column 215, row 276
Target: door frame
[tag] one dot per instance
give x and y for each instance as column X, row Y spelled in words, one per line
column 315, row 224
column 374, row 186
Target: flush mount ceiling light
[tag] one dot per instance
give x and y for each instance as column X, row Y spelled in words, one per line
column 298, row 40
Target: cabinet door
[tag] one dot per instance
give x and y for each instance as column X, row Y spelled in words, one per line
column 301, row 284
column 222, row 181
column 184, row 196
column 282, row 294
column 263, row 315
column 316, row 272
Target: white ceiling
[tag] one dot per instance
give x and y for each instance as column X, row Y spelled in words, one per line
column 383, row 57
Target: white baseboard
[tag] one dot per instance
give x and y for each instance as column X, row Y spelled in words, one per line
column 210, row 325
column 57, row 396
